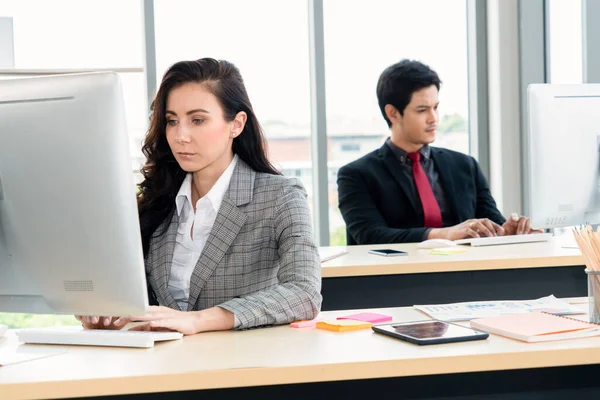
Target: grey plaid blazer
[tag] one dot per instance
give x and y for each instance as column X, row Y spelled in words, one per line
column 260, row 261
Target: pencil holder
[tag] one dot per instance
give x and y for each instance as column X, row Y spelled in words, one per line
column 593, row 278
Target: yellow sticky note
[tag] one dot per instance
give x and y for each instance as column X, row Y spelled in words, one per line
column 343, row 325
column 447, row 251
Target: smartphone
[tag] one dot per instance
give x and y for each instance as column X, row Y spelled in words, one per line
column 388, row 252
column 429, row 332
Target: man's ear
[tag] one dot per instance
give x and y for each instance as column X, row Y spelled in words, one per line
column 392, row 113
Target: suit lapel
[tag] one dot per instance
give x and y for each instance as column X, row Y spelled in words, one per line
column 444, row 169
column 228, row 224
column 393, row 165
column 162, row 249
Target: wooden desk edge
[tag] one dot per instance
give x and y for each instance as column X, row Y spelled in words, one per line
column 264, row 376
column 451, row 266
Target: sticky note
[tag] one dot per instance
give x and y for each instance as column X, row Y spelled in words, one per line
column 343, row 325
column 368, row 317
column 447, row 251
column 305, row 324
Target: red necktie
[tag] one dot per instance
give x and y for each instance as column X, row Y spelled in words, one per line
column 431, row 208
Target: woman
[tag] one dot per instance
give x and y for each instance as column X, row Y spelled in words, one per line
column 227, row 240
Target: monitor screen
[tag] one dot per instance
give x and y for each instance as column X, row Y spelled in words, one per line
column 563, row 157
column 69, row 230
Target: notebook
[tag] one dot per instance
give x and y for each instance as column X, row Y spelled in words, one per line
column 536, row 327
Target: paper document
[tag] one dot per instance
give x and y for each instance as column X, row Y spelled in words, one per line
column 480, row 309
column 24, row 353
column 329, row 253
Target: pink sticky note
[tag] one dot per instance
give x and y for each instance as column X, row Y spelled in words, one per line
column 368, row 317
column 305, row 324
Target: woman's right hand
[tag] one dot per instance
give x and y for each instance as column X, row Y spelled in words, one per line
column 95, row 322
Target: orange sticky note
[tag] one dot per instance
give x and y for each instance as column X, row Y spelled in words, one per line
column 343, row 325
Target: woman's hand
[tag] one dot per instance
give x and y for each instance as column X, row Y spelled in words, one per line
column 95, row 322
column 161, row 318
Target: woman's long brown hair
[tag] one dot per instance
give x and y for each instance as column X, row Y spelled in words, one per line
column 162, row 174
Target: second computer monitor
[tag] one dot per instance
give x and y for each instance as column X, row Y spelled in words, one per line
column 564, row 154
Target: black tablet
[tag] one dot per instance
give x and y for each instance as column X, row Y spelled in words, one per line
column 429, row 332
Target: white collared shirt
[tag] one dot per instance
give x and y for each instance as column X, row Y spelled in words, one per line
column 187, row 250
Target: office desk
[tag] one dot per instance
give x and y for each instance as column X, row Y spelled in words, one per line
column 284, row 362
column 517, row 271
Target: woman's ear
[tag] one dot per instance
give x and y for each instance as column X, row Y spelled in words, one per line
column 238, row 123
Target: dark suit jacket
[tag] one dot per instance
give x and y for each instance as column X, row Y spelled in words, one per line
column 380, row 206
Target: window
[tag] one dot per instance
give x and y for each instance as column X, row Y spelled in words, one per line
column 268, row 41
column 350, row 147
column 106, row 35
column 91, row 35
column 361, row 40
column 565, row 61
column 565, row 37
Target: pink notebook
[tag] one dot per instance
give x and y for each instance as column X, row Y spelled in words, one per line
column 373, row 318
column 536, row 327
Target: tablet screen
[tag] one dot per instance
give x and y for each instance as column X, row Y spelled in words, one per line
column 433, row 329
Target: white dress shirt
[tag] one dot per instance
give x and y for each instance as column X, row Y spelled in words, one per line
column 187, row 249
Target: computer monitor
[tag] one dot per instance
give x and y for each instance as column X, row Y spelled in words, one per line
column 563, row 158
column 70, row 239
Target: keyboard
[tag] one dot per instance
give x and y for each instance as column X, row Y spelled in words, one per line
column 94, row 337
column 511, row 239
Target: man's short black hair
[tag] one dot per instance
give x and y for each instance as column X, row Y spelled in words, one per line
column 399, row 81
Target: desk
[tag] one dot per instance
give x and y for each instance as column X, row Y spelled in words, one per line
column 516, row 271
column 284, row 362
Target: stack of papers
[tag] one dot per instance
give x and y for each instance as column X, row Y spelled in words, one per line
column 481, row 309
column 24, row 353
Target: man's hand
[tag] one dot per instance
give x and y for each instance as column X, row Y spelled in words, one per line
column 472, row 228
column 516, row 225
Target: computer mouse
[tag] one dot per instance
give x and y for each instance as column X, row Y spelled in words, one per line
column 3, row 329
column 436, row 243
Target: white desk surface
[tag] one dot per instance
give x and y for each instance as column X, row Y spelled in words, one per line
column 271, row 356
column 358, row 261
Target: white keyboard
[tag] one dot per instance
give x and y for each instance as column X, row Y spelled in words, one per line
column 511, row 239
column 94, row 337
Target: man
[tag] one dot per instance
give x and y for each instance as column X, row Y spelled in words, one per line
column 407, row 191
